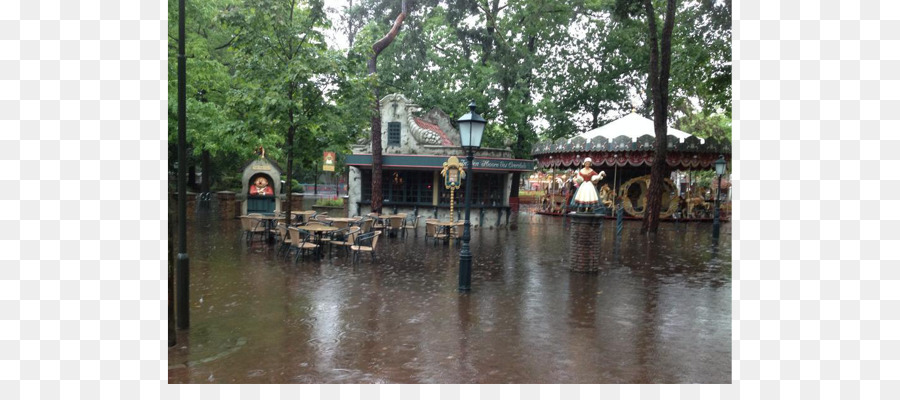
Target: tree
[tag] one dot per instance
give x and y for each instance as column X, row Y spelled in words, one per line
column 588, row 80
column 377, row 48
column 279, row 54
column 658, row 85
column 660, row 65
column 207, row 83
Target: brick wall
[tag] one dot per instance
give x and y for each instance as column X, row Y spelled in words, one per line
column 296, row 202
column 585, row 251
column 229, row 206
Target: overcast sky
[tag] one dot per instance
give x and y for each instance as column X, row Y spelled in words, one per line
column 334, row 38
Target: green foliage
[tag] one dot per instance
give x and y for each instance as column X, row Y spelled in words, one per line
column 333, row 202
column 535, row 68
column 716, row 126
column 231, row 182
column 703, row 179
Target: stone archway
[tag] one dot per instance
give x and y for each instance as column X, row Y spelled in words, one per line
column 265, row 201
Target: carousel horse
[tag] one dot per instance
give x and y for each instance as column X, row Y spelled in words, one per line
column 606, row 196
column 695, row 202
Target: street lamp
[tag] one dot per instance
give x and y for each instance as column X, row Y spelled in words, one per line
column 720, row 170
column 471, row 129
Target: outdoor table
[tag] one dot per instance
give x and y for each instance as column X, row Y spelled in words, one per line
column 341, row 222
column 319, row 230
column 446, row 225
column 304, row 215
column 270, row 221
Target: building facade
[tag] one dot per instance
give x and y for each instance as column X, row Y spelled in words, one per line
column 414, row 147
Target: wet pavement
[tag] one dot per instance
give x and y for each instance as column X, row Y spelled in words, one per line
column 659, row 312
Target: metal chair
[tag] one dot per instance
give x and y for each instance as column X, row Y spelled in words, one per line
column 320, row 219
column 431, row 231
column 252, row 226
column 367, row 223
column 457, row 231
column 283, row 237
column 348, row 240
column 414, row 225
column 366, row 242
column 300, row 242
column 395, row 224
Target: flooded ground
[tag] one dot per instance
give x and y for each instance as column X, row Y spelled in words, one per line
column 660, row 312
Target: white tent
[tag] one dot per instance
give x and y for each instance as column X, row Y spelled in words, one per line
column 632, row 125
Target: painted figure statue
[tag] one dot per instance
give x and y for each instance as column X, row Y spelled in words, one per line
column 261, row 187
column 586, row 196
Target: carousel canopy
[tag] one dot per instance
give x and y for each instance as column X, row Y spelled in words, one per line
column 632, row 125
column 630, row 140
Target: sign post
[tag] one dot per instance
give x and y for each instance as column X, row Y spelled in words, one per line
column 328, row 161
column 453, row 174
column 328, row 164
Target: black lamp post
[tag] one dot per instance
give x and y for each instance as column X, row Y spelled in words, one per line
column 720, row 170
column 182, row 263
column 471, row 129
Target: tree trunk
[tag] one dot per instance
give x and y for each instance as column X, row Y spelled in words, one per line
column 205, row 179
column 487, row 43
column 290, row 163
column 351, row 28
column 514, row 197
column 660, row 63
column 377, row 195
column 192, row 176
column 377, row 48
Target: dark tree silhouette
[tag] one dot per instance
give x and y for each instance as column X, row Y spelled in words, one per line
column 377, row 48
column 660, row 65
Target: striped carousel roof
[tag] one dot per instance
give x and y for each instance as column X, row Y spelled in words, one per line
column 630, row 140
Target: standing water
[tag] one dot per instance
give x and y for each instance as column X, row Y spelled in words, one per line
column 658, row 312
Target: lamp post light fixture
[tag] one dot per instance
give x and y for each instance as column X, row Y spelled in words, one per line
column 471, row 130
column 720, row 170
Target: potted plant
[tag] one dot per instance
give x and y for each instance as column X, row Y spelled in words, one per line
column 327, row 204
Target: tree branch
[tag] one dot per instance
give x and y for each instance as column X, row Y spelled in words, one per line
column 230, row 42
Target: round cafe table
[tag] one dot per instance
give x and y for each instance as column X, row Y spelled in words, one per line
column 269, row 221
column 342, row 222
column 446, row 225
column 318, row 230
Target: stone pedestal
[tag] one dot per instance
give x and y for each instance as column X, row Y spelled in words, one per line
column 584, row 239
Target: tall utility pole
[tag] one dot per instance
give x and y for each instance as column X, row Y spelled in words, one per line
column 182, row 265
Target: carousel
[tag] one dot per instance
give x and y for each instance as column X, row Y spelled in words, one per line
column 623, row 149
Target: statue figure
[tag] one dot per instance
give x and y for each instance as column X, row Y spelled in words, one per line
column 586, row 196
column 261, row 187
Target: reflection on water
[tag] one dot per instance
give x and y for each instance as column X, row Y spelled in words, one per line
column 659, row 312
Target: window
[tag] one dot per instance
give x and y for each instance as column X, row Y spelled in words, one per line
column 415, row 187
column 401, row 187
column 393, row 134
column 487, row 191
